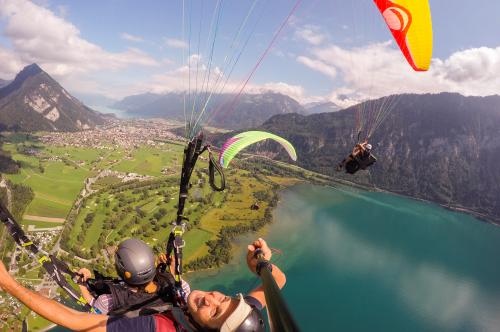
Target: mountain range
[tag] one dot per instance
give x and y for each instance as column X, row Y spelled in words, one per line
column 443, row 148
column 321, row 107
column 250, row 110
column 34, row 101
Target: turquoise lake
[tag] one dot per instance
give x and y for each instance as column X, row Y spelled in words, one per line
column 368, row 261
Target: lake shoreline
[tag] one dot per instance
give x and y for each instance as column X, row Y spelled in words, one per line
column 237, row 246
column 480, row 216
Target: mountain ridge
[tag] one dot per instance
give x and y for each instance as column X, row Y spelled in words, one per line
column 321, row 107
column 443, row 148
column 250, row 110
column 34, row 101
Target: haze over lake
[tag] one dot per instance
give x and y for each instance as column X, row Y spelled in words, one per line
column 365, row 261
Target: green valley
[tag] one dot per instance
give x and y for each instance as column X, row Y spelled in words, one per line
column 87, row 199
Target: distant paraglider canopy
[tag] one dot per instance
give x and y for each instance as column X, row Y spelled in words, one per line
column 411, row 25
column 237, row 143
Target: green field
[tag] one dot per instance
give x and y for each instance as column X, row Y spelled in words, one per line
column 41, row 224
column 37, row 323
column 150, row 161
column 115, row 216
column 104, row 182
column 55, row 188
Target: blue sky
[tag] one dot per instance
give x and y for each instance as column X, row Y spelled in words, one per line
column 329, row 50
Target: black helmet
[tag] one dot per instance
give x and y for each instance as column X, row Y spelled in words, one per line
column 245, row 318
column 135, row 262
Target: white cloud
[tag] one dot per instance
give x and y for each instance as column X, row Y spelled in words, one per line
column 318, row 65
column 39, row 35
column 167, row 61
column 195, row 59
column 132, row 38
column 10, row 63
column 175, row 43
column 379, row 69
column 177, row 80
column 295, row 91
column 311, row 34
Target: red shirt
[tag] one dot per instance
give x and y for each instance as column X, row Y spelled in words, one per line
column 154, row 323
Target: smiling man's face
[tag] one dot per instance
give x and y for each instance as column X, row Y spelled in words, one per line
column 210, row 309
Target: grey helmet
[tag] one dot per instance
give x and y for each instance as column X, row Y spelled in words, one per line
column 135, row 262
column 244, row 318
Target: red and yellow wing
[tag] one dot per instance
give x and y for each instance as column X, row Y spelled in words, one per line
column 411, row 25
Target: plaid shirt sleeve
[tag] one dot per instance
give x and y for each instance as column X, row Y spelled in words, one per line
column 103, row 303
column 186, row 288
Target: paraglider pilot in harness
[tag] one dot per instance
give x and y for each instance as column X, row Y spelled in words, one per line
column 142, row 285
column 205, row 310
column 360, row 158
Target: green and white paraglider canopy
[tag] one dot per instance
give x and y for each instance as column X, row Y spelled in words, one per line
column 239, row 142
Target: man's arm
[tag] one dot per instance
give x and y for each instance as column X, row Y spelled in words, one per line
column 50, row 309
column 258, row 292
column 86, row 294
column 278, row 275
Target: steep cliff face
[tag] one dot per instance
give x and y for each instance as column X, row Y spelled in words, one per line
column 444, row 148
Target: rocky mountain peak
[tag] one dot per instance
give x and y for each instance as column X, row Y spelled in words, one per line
column 28, row 71
column 35, row 101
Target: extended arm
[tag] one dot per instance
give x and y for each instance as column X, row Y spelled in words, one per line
column 278, row 275
column 258, row 292
column 50, row 309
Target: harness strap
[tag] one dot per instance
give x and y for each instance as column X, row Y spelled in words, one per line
column 212, row 167
column 175, row 242
column 54, row 267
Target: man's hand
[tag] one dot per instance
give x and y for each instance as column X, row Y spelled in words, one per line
column 85, row 274
column 251, row 259
column 162, row 259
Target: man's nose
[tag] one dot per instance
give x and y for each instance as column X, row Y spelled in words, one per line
column 212, row 299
